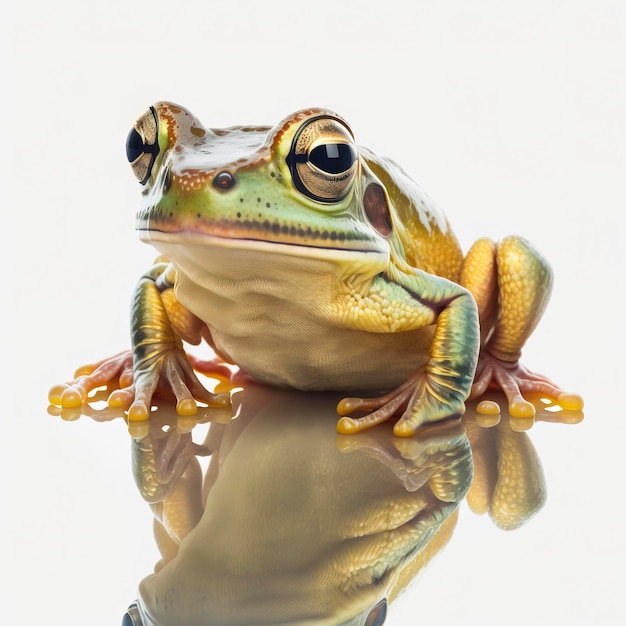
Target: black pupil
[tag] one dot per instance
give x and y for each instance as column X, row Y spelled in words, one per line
column 134, row 146
column 333, row 158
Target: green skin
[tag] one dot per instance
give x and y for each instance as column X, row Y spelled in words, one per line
column 317, row 276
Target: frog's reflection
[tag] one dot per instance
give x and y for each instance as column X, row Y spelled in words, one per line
column 291, row 523
column 508, row 480
column 273, row 518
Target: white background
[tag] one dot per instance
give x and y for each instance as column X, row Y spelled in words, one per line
column 510, row 115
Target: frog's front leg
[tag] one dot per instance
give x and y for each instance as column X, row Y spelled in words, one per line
column 159, row 324
column 511, row 283
column 438, row 390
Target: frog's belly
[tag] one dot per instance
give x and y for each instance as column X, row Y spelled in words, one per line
column 302, row 354
column 281, row 344
column 269, row 314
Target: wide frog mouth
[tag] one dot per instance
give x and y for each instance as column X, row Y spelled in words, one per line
column 198, row 253
column 264, row 235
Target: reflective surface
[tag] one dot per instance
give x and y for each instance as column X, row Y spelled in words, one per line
column 290, row 523
column 300, row 525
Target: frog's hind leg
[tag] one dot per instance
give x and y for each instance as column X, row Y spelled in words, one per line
column 511, row 283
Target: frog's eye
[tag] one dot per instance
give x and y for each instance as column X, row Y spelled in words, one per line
column 142, row 146
column 323, row 159
column 377, row 615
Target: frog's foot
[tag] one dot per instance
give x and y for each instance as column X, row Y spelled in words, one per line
column 134, row 392
column 174, row 369
column 382, row 408
column 417, row 400
column 116, row 371
column 515, row 380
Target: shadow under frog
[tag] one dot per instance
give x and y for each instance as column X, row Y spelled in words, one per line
column 291, row 523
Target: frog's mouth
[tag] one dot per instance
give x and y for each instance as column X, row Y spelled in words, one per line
column 214, row 251
column 271, row 239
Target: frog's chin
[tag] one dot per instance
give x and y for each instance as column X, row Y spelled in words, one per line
column 369, row 252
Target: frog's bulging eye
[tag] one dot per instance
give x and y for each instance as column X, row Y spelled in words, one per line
column 334, row 158
column 323, row 160
column 377, row 615
column 142, row 146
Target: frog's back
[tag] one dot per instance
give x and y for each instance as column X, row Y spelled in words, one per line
column 421, row 227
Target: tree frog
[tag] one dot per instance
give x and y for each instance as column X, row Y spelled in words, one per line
column 310, row 262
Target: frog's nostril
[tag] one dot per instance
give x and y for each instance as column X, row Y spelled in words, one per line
column 224, row 180
column 134, row 145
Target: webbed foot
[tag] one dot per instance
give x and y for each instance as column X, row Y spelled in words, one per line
column 418, row 400
column 114, row 373
column 134, row 392
column 173, row 368
column 515, row 380
column 382, row 408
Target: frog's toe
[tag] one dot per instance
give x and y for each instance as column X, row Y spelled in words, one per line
column 570, row 401
column 404, row 428
column 65, row 396
column 348, row 426
column 350, row 405
column 121, row 398
column 186, row 407
column 521, row 408
column 72, row 398
column 138, row 412
column 488, row 407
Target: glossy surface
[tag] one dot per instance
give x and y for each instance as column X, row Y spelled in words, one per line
column 291, row 523
column 300, row 526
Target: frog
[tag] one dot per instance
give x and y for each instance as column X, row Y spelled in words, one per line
column 309, row 262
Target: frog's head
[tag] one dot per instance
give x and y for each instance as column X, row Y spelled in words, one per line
column 302, row 182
